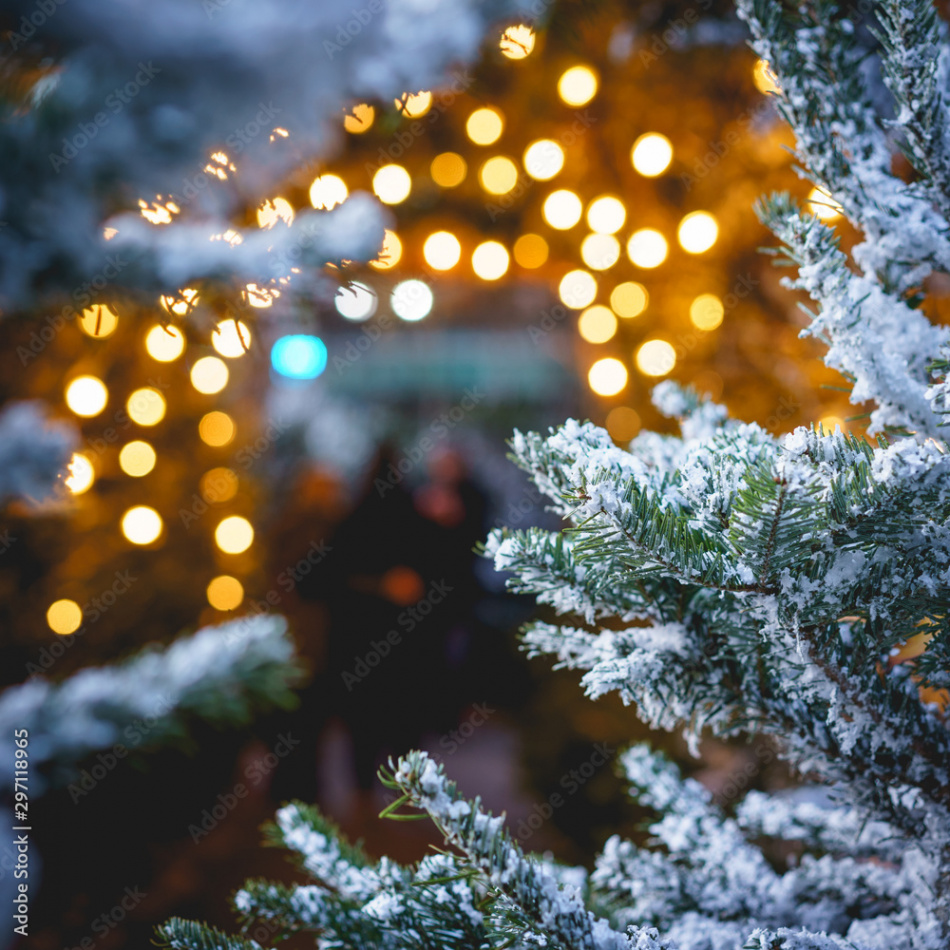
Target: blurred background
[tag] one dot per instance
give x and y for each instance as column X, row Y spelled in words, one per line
column 572, row 223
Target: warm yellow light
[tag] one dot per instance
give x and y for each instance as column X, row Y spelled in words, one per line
column 656, row 358
column 209, row 375
column 498, row 175
column 607, row 377
column 577, row 289
column 359, row 118
column 764, row 78
column 327, row 191
column 606, row 215
column 578, row 85
column 181, row 305
column 442, row 250
column 98, row 321
column 531, row 251
column 600, row 251
column 414, row 105
column 146, row 406
column 81, row 474
column 137, row 458
column 485, row 126
column 517, row 42
column 392, row 184
column 234, row 534
column 218, row 485
column 651, row 154
column 647, row 248
column 225, row 592
column 165, row 343
column 830, row 423
column 562, row 209
column 448, row 169
column 389, row 253
column 231, row 338
column 623, row 423
column 270, row 212
column 706, row 312
column 697, row 232
column 490, row 260
column 216, row 428
column 543, row 159
column 597, row 324
column 821, row 204
column 141, row 524
column 87, row 396
column 629, row 299
column 64, row 616
column 260, row 297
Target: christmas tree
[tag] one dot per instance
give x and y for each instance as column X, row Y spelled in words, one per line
column 736, row 582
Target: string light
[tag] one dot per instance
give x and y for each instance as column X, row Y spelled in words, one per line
column 651, row 154
column 623, row 423
column 218, row 485
column 498, row 175
column 137, row 458
column 490, row 260
column 543, row 159
column 607, row 377
column 647, row 248
column 164, row 343
column 706, row 312
column 414, row 105
column 392, row 184
column 356, row 301
column 231, row 338
column 87, row 396
column 764, row 78
column 600, row 251
column 98, row 321
column 389, row 253
column 225, row 592
column 260, row 297
column 448, row 169
column 697, row 232
column 141, row 524
column 64, row 616
column 531, row 251
column 629, row 299
column 216, row 428
column 577, row 289
column 328, row 191
column 562, row 209
column 484, row 126
column 517, row 42
column 299, row 356
column 209, row 375
column 146, row 406
column 359, row 118
column 442, row 250
column 411, row 300
column 81, row 474
column 656, row 358
column 181, row 305
column 821, row 205
column 597, row 324
column 270, row 212
column 234, row 534
column 606, row 215
column 578, row 85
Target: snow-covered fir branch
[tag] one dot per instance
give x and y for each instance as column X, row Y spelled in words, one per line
column 34, row 452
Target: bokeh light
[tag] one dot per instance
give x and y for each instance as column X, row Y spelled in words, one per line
column 442, row 250
column 411, row 300
column 87, row 396
column 234, row 534
column 706, row 312
column 543, row 159
column 531, row 251
column 216, row 428
column 392, row 184
column 562, row 209
column 607, row 377
column 81, row 474
column 328, row 191
column 299, row 356
column 498, row 175
column 231, row 338
column 146, row 406
column 98, row 321
column 413, row 105
column 141, row 524
column 600, row 251
column 517, row 42
column 355, row 301
column 209, row 375
column 448, row 169
column 821, row 204
column 359, row 119
column 577, row 85
column 218, row 485
column 164, row 343
column 764, row 78
column 225, row 592
column 490, row 260
column 597, row 324
column 697, row 232
column 270, row 212
column 484, row 126
column 651, row 154
column 137, row 458
column 647, row 248
column 577, row 289
column 606, row 215
column 656, row 358
column 180, row 305
column 623, row 423
column 64, row 616
column 260, row 297
column 389, row 253
column 629, row 299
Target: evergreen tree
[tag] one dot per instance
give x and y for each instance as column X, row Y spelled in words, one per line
column 730, row 581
